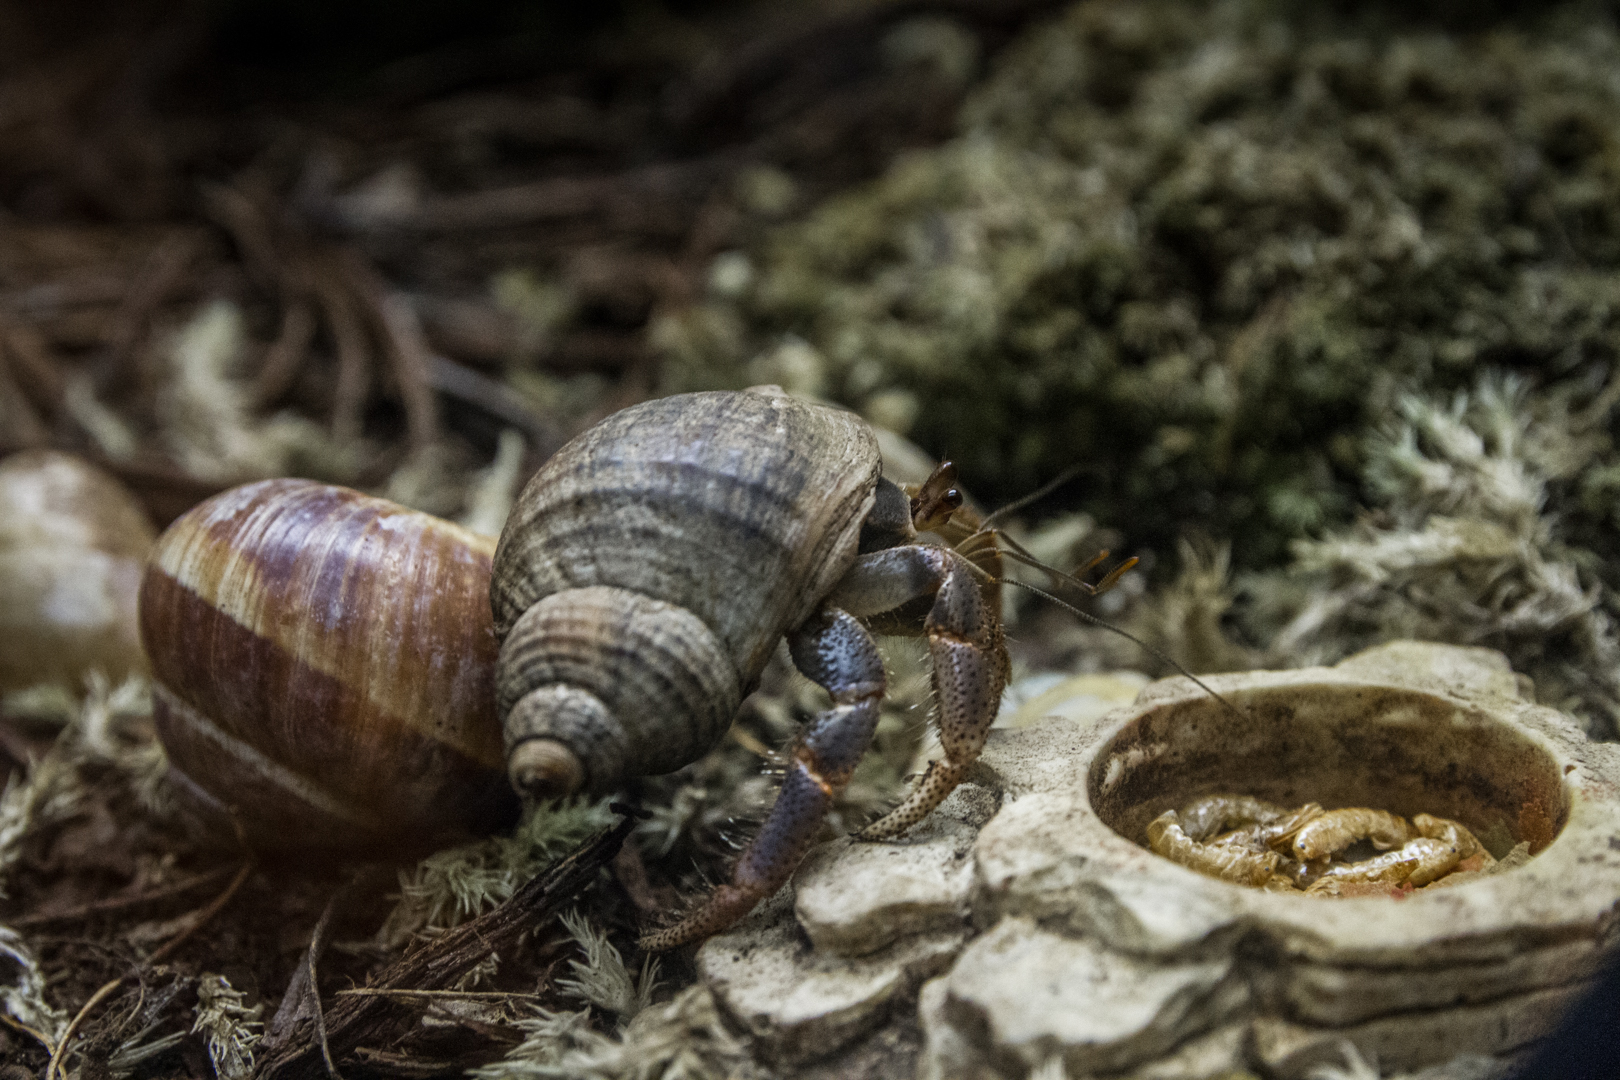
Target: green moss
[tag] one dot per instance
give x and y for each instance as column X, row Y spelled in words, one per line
column 1206, row 249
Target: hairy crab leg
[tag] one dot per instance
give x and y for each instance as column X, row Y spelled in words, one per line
column 835, row 651
column 969, row 659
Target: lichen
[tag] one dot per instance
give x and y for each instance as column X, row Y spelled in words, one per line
column 682, row 1039
column 1472, row 542
column 110, row 727
column 493, row 489
column 24, row 996
column 450, row 887
column 230, row 1028
column 205, row 410
column 602, row 979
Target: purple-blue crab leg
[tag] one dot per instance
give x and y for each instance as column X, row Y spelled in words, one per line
column 835, row 651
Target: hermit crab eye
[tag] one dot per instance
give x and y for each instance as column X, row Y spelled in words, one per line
column 937, row 499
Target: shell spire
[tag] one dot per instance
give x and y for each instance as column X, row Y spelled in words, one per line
column 650, row 568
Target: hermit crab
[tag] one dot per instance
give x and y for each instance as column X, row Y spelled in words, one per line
column 653, row 564
column 329, row 653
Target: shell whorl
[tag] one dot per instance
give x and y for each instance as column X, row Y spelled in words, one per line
column 580, row 666
column 325, row 661
column 720, row 520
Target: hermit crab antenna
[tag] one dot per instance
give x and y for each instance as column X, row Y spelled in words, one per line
column 1145, row 647
column 1018, row 553
column 989, row 533
column 1035, row 496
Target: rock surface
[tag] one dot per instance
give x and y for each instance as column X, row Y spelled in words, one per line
column 853, row 899
column 1054, row 934
column 1028, row 995
column 800, row 1004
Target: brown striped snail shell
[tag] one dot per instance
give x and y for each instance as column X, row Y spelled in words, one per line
column 72, row 543
column 324, row 666
column 651, row 566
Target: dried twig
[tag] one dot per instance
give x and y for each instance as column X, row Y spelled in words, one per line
column 404, row 1066
column 498, row 400
column 237, row 213
column 59, row 1055
column 408, row 350
column 39, row 1036
column 55, row 1069
column 284, row 358
column 354, row 353
column 631, row 873
column 302, row 998
column 75, row 292
column 610, row 351
column 357, row 1021
column 312, row 982
column 33, row 366
column 404, row 346
column 119, row 903
column 162, row 272
column 19, row 422
column 643, row 198
column 203, row 916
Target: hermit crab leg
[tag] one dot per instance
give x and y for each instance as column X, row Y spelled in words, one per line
column 835, row 651
column 968, row 653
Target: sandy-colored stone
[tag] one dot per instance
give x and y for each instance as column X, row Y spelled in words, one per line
column 1339, row 996
column 1037, row 859
column 1456, row 670
column 1474, row 1067
column 855, row 898
column 1568, row 890
column 1025, row 994
column 1212, row 1054
column 949, row 1053
column 1079, row 699
column 798, row 1004
column 1410, row 1040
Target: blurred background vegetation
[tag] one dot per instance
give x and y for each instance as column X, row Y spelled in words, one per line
column 1222, row 256
column 1323, row 299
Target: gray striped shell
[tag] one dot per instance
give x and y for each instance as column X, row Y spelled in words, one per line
column 650, row 567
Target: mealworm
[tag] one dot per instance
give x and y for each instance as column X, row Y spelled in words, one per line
column 1203, row 818
column 1229, row 863
column 1270, row 835
column 1337, row 829
column 1419, row 861
column 1454, row 833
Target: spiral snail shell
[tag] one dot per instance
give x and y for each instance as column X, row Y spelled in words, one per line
column 651, row 566
column 324, row 666
column 649, row 570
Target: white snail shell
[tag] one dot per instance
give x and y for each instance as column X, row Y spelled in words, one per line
column 72, row 543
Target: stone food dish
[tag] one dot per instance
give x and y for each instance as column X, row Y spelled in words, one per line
column 1032, row 922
